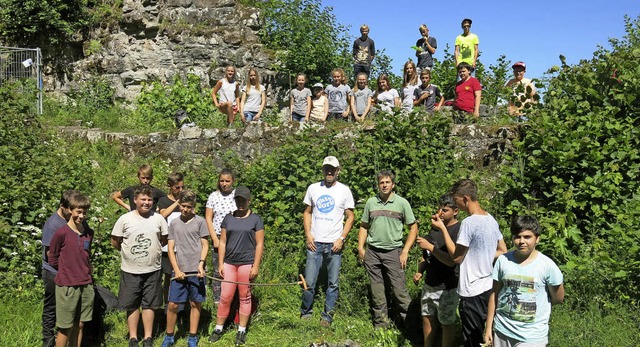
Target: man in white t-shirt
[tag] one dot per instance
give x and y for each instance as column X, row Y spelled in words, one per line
column 328, row 201
column 479, row 243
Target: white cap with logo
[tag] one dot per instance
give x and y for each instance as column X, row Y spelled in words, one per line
column 331, row 161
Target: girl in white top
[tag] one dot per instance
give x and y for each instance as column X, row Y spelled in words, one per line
column 386, row 97
column 253, row 98
column 319, row 104
column 409, row 85
column 229, row 98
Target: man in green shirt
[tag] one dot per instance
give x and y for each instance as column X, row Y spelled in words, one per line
column 385, row 257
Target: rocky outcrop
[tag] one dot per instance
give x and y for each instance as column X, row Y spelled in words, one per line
column 482, row 145
column 158, row 39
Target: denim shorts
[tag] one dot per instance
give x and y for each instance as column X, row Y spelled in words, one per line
column 248, row 115
column 297, row 117
column 190, row 289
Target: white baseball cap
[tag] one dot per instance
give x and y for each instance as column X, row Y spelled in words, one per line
column 331, row 161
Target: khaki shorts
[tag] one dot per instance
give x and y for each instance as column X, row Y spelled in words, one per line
column 74, row 304
column 440, row 302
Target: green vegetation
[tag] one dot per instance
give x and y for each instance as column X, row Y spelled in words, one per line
column 93, row 105
column 46, row 22
column 576, row 168
column 307, row 38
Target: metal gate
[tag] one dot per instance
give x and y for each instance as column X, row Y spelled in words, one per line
column 22, row 64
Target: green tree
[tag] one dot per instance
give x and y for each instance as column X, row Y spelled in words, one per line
column 493, row 80
column 444, row 73
column 45, row 23
column 42, row 22
column 306, row 37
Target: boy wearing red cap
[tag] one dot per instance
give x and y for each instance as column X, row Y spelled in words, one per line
column 523, row 90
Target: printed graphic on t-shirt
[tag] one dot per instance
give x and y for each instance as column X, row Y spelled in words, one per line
column 299, row 98
column 359, row 94
column 466, row 50
column 141, row 249
column 362, row 55
column 336, row 95
column 518, row 301
column 325, row 203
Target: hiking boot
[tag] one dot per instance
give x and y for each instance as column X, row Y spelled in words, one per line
column 133, row 342
column 148, row 342
column 241, row 338
column 192, row 341
column 325, row 323
column 215, row 336
column 168, row 341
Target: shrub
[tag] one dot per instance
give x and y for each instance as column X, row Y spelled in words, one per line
column 578, row 168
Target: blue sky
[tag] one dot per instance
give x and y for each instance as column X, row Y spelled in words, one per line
column 535, row 32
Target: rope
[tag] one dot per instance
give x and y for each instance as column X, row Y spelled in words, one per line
column 301, row 282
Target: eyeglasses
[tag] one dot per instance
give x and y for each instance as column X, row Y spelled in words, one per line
column 466, row 26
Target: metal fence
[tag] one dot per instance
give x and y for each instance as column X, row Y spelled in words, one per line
column 22, row 64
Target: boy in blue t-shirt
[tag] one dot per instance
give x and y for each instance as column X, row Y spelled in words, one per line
column 525, row 285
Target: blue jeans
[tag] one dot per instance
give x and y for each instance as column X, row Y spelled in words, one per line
column 297, row 117
column 48, row 309
column 248, row 115
column 315, row 260
column 358, row 68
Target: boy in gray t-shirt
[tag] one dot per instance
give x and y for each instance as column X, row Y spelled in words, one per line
column 188, row 248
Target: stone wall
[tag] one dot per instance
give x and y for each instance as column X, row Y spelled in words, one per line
column 157, row 39
column 481, row 145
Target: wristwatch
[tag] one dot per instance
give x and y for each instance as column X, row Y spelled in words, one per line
column 342, row 238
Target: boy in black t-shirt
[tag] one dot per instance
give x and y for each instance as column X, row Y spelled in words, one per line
column 439, row 297
column 169, row 208
column 145, row 176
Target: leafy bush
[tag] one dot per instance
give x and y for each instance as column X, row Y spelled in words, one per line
column 36, row 168
column 157, row 103
column 579, row 167
column 493, row 80
column 92, row 103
